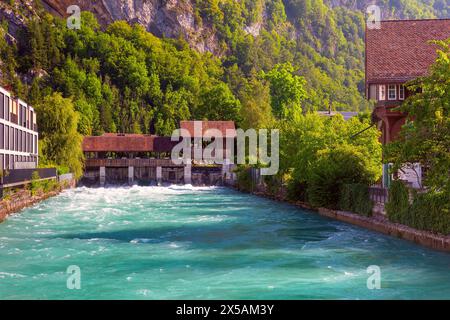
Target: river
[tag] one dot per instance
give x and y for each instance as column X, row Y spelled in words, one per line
column 182, row 242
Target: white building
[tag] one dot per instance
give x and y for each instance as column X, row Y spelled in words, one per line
column 18, row 133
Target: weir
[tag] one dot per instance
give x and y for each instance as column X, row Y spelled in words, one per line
column 146, row 159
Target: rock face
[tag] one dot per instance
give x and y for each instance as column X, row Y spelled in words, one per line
column 169, row 18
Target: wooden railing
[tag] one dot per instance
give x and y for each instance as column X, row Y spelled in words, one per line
column 130, row 163
column 378, row 194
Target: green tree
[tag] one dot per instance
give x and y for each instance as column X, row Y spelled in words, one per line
column 425, row 139
column 218, row 103
column 60, row 143
column 287, row 91
column 256, row 111
column 307, row 144
column 334, row 168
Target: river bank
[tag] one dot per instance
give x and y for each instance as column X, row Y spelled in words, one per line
column 24, row 198
column 377, row 222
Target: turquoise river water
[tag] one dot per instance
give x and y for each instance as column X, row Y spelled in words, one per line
column 203, row 243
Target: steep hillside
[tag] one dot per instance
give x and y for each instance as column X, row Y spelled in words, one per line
column 173, row 18
column 177, row 59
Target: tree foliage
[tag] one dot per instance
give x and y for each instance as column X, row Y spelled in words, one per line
column 425, row 139
column 60, row 142
column 322, row 154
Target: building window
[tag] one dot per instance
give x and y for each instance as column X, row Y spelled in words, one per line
column 19, row 140
column 16, row 140
column 11, row 138
column 24, row 141
column 392, row 92
column 401, row 92
column 7, row 108
column 7, row 138
column 373, row 92
column 2, row 136
column 2, row 106
column 382, row 92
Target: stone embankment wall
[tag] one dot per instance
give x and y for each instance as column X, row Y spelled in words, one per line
column 23, row 199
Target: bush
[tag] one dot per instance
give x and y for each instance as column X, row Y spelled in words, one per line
column 63, row 170
column 35, row 183
column 356, row 198
column 296, row 190
column 429, row 211
column 398, row 205
column 244, row 178
column 334, row 168
column 273, row 184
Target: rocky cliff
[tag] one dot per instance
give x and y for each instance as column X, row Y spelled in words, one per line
column 177, row 18
column 168, row 18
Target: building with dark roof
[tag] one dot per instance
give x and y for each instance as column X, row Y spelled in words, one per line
column 127, row 143
column 398, row 52
column 115, row 157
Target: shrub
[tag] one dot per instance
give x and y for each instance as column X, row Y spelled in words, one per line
column 244, row 178
column 356, row 198
column 273, row 184
column 429, row 211
column 296, row 190
column 335, row 167
column 63, row 170
column 35, row 183
column 398, row 204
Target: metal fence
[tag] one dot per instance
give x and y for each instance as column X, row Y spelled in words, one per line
column 379, row 194
column 21, row 176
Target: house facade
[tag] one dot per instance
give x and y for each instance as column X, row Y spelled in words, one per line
column 18, row 133
column 396, row 53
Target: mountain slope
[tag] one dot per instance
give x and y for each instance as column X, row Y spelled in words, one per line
column 322, row 39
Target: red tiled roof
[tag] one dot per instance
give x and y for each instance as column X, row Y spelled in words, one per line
column 112, row 142
column 222, row 126
column 400, row 51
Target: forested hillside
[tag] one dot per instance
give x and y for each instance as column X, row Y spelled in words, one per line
column 251, row 61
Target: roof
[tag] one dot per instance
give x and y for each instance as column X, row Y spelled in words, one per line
column 346, row 114
column 400, row 50
column 227, row 128
column 112, row 142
